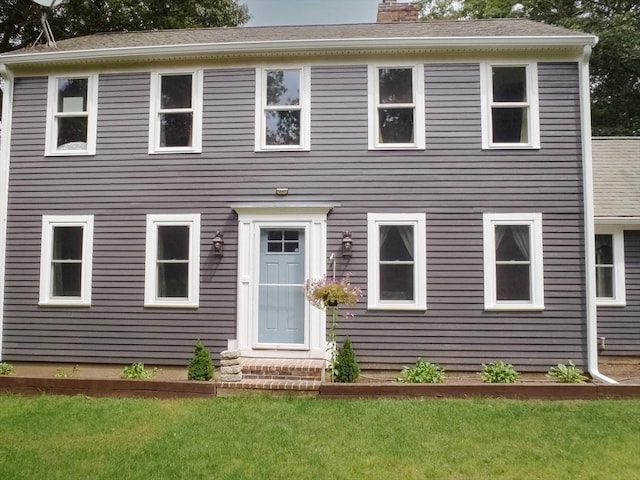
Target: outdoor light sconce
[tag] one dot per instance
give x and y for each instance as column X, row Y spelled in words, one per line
column 218, row 243
column 347, row 244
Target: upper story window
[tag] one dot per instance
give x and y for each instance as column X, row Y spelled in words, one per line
column 396, row 261
column 176, row 112
column 513, row 265
column 510, row 117
column 610, row 281
column 283, row 107
column 71, row 118
column 66, row 260
column 396, row 107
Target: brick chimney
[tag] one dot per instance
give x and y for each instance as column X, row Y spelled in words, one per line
column 390, row 11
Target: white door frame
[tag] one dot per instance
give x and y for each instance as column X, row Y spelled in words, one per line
column 251, row 218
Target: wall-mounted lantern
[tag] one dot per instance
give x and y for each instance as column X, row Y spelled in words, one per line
column 347, row 244
column 218, row 244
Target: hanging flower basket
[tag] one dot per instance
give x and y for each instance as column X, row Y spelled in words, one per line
column 329, row 292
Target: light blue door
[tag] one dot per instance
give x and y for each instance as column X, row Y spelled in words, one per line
column 281, row 286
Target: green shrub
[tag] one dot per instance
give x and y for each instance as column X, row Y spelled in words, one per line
column 346, row 368
column 422, row 372
column 568, row 373
column 499, row 372
column 136, row 371
column 201, row 365
column 6, row 368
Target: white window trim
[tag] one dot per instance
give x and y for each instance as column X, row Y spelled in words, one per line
column 150, row 278
column 196, row 109
column 304, row 107
column 534, row 222
column 619, row 298
column 51, row 147
column 49, row 222
column 418, row 104
column 418, row 221
column 486, row 100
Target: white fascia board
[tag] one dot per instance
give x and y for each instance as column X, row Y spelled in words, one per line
column 303, row 45
column 621, row 221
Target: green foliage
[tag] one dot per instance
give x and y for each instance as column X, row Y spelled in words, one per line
column 567, row 373
column 422, row 372
column 499, row 372
column 63, row 373
column 201, row 365
column 136, row 371
column 6, row 368
column 346, row 368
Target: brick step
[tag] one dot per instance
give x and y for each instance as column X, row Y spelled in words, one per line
column 282, row 369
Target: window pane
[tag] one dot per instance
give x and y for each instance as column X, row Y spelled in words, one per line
column 396, row 85
column 176, row 129
column 283, row 127
column 173, row 280
column 67, row 243
column 396, row 282
column 72, row 94
column 604, row 249
column 175, row 91
column 509, row 84
column 396, row 243
column 67, row 279
column 72, row 133
column 604, row 282
column 512, row 243
column 173, row 242
column 283, row 87
column 510, row 125
column 396, row 125
column 513, row 282
column 274, row 235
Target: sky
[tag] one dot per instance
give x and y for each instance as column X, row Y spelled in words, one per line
column 310, row 12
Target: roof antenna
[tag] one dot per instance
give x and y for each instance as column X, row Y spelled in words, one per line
column 46, row 28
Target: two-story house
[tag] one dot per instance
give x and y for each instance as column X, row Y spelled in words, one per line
column 168, row 186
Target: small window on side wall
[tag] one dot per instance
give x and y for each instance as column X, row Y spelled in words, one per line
column 513, row 264
column 610, row 272
column 66, row 260
column 172, row 265
column 396, row 108
column 396, row 261
column 71, row 118
column 176, row 112
column 510, row 117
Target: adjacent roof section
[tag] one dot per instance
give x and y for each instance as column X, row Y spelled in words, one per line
column 470, row 33
column 616, row 176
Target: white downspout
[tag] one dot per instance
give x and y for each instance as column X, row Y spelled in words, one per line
column 589, row 223
column 5, row 150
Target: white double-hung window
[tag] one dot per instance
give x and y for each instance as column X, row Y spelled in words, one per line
column 513, row 264
column 71, row 115
column 396, row 261
column 610, row 275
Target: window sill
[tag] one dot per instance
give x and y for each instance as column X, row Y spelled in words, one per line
column 514, row 307
column 64, row 303
column 396, row 307
column 171, row 305
column 70, row 153
column 511, row 146
column 396, row 147
column 175, row 150
column 283, row 148
column 610, row 303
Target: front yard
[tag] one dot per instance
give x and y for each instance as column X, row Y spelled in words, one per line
column 50, row 437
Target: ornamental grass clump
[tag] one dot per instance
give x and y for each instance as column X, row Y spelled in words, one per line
column 201, row 365
column 499, row 372
column 567, row 373
column 137, row 371
column 422, row 372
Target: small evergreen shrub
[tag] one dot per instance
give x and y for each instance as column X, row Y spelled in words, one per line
column 567, row 373
column 201, row 365
column 422, row 372
column 136, row 371
column 6, row 368
column 346, row 368
column 499, row 372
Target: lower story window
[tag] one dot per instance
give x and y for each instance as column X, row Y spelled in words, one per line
column 610, row 281
column 397, row 261
column 66, row 260
column 513, row 261
column 172, row 260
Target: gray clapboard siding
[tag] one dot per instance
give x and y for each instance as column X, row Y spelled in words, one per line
column 621, row 325
column 453, row 181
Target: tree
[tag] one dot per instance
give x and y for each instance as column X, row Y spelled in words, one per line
column 615, row 63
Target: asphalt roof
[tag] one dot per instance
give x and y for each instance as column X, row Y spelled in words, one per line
column 616, row 176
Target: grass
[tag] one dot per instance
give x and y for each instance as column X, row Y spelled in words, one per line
column 51, row 437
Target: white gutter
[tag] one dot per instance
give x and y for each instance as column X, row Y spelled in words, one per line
column 589, row 223
column 259, row 47
column 5, row 149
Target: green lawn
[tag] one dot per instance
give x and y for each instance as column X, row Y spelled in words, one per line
column 52, row 437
